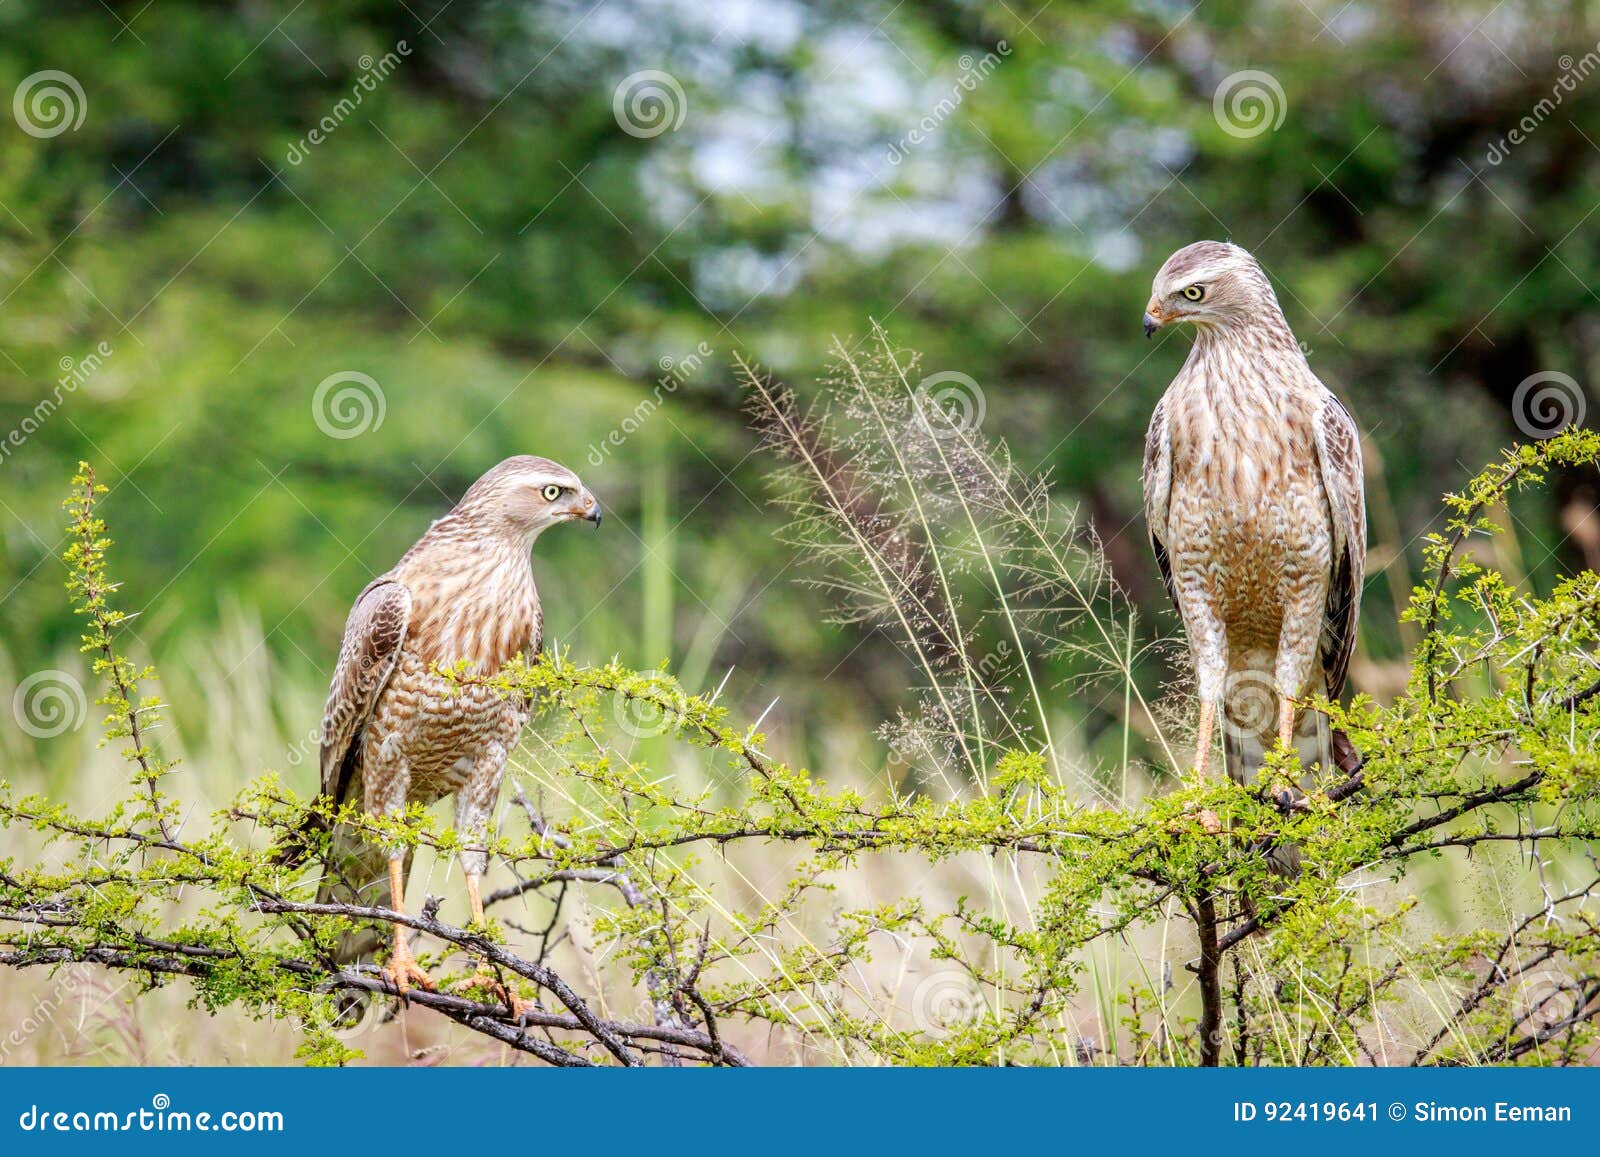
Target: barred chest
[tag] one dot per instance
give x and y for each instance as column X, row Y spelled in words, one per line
column 1249, row 517
column 439, row 729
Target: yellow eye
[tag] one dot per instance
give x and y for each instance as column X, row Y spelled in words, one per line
column 552, row 492
column 1195, row 293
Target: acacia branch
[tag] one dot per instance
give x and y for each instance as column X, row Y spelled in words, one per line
column 495, row 1020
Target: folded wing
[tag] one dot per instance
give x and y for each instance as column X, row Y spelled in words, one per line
column 373, row 635
column 1339, row 457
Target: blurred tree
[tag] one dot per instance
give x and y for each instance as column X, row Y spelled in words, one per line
column 507, row 216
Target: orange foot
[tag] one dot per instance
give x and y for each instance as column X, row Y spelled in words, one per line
column 403, row 971
column 485, row 978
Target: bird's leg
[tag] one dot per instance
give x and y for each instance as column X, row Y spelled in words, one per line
column 1208, row 644
column 1208, row 722
column 385, row 796
column 473, row 805
column 484, row 976
column 1202, row 758
column 402, row 970
column 1285, row 794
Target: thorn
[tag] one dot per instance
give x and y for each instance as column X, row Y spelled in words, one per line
column 762, row 716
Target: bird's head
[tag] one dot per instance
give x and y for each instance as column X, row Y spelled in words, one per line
column 525, row 495
column 1212, row 284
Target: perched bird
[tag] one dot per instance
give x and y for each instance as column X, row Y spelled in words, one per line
column 395, row 731
column 1253, row 496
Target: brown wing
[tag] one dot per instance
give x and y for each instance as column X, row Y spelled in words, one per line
column 1158, row 490
column 1339, row 457
column 372, row 637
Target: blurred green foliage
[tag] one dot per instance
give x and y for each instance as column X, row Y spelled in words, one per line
column 482, row 238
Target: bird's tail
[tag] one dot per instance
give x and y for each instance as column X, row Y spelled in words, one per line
column 1250, row 730
column 1246, row 751
column 357, row 872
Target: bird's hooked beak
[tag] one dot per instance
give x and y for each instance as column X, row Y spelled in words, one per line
column 1153, row 319
column 586, row 507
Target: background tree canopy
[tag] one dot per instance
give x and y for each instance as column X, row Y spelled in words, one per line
column 292, row 275
column 482, row 237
